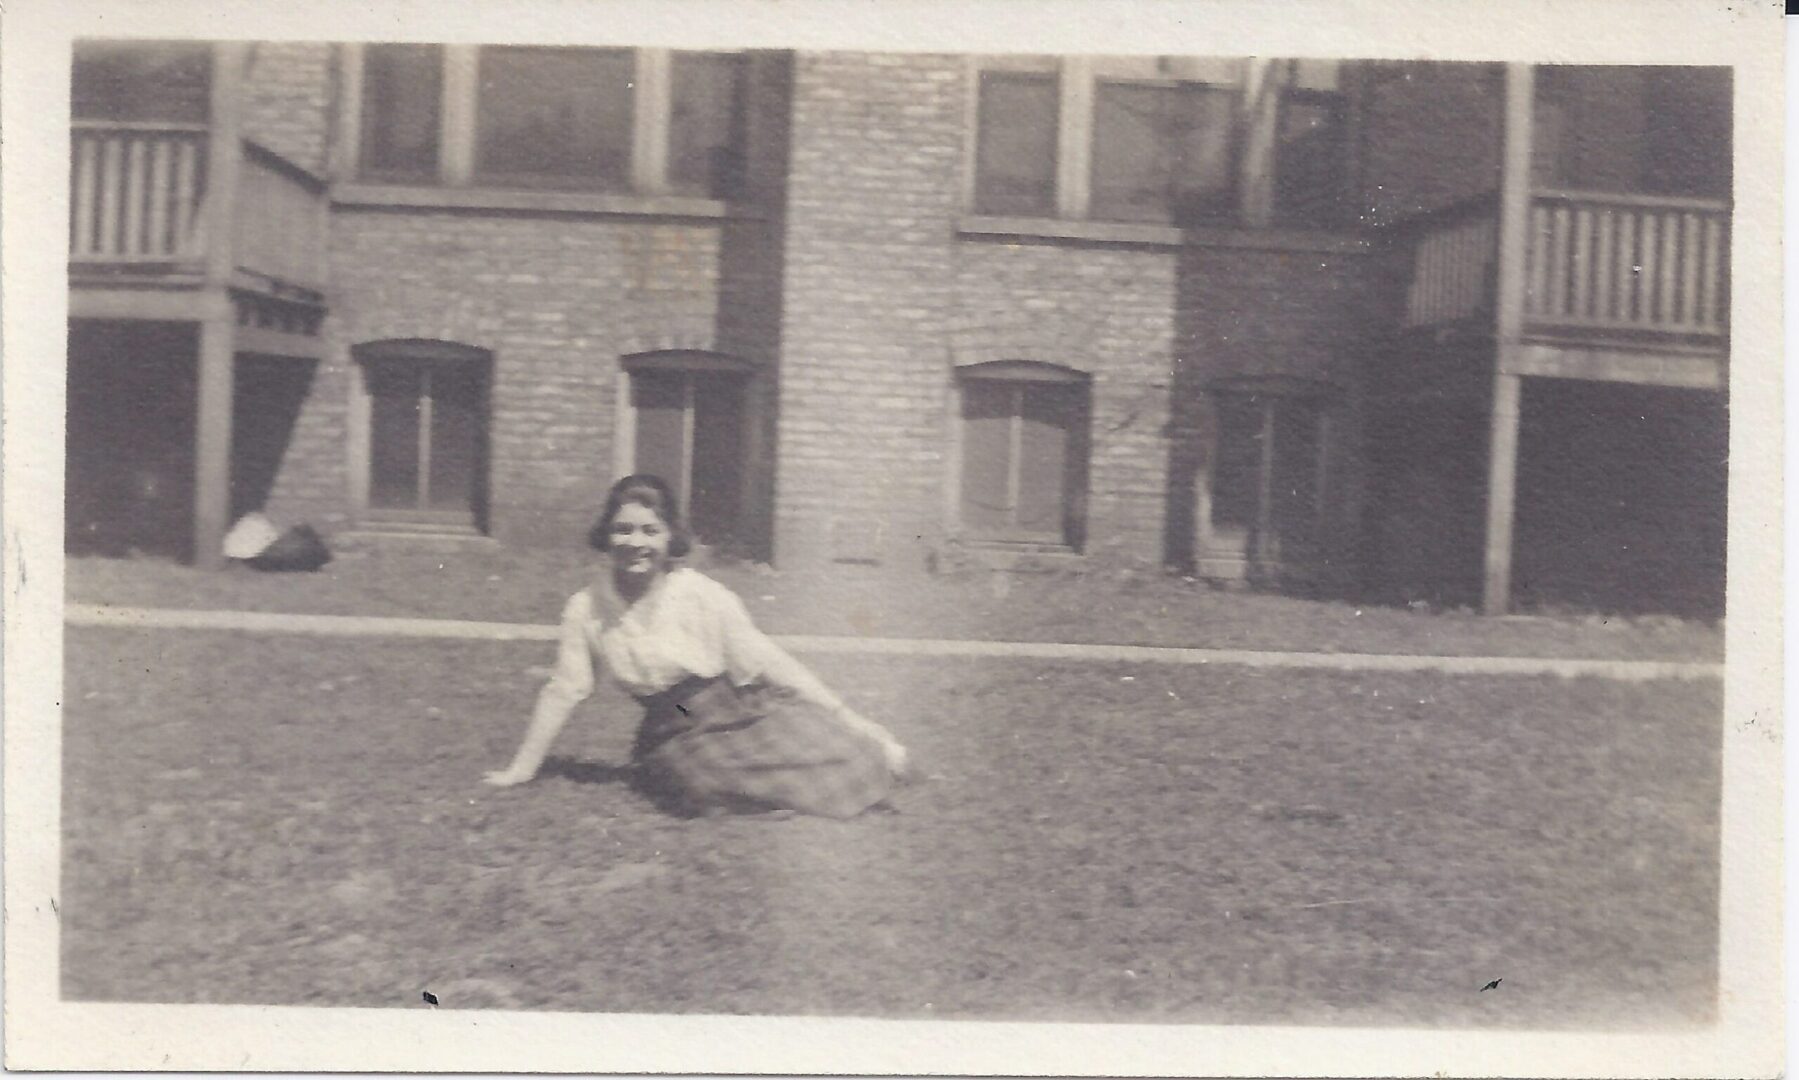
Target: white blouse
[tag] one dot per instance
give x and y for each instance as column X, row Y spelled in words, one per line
column 685, row 625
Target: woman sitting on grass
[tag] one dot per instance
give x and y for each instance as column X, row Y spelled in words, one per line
column 731, row 722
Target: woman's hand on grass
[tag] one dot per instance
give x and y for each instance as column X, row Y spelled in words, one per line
column 508, row 777
column 899, row 761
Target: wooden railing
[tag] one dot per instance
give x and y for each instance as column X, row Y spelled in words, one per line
column 1453, row 252
column 138, row 202
column 135, row 192
column 1627, row 263
column 278, row 234
column 1595, row 263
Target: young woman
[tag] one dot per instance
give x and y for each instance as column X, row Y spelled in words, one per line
column 731, row 721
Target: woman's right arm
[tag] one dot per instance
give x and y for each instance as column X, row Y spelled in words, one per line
column 570, row 685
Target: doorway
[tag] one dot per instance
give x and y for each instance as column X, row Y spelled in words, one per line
column 689, row 425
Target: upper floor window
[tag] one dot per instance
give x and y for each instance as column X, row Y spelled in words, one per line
column 706, row 124
column 141, row 81
column 1159, row 140
column 572, row 119
column 1164, row 152
column 1015, row 149
column 402, row 99
column 1310, row 149
column 554, row 117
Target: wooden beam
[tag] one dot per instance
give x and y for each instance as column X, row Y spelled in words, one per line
column 624, row 427
column 357, row 441
column 1074, row 138
column 1502, row 490
column 1641, row 368
column 542, row 202
column 456, row 137
column 218, row 330
column 212, row 440
column 1502, row 455
column 651, row 105
column 158, row 304
column 1262, row 110
column 346, row 148
column 224, row 156
column 269, row 342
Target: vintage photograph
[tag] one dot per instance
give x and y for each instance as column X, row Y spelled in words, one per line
column 1077, row 537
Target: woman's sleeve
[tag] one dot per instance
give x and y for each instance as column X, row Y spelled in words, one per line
column 750, row 654
column 571, row 682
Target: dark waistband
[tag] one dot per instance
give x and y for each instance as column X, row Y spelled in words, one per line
column 693, row 704
column 684, row 691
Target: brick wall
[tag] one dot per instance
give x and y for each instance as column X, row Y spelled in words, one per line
column 869, row 272
column 556, row 301
column 873, row 335
column 858, row 298
column 1110, row 312
column 751, row 268
column 288, row 88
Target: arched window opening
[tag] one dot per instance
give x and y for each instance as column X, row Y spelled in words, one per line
column 1023, row 447
column 428, row 421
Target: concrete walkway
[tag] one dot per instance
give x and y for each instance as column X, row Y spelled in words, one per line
column 373, row 626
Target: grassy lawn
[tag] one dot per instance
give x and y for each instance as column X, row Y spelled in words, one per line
column 295, row 820
column 1118, row 608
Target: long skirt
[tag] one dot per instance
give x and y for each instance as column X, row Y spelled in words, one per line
column 707, row 744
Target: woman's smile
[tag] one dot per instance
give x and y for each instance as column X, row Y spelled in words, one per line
column 640, row 540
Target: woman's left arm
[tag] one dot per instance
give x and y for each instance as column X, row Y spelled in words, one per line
column 749, row 653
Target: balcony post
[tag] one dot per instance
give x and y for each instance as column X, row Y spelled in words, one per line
column 1502, row 456
column 1263, row 82
column 217, row 359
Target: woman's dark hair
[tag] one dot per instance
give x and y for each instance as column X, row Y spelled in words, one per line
column 643, row 489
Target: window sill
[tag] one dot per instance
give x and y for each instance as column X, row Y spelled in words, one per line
column 1016, row 545
column 1013, row 555
column 420, row 197
column 1168, row 236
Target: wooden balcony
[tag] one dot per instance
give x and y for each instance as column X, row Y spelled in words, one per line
column 1635, row 267
column 1453, row 255
column 135, row 200
column 1601, row 270
column 145, row 235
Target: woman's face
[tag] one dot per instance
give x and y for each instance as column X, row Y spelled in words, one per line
column 639, row 541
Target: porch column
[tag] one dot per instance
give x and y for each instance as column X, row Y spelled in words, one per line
column 212, row 440
column 1502, row 457
column 218, row 324
column 1262, row 83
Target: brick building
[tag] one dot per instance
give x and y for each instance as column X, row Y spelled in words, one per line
column 1381, row 326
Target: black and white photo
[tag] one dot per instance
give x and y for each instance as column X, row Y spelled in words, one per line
column 1160, row 531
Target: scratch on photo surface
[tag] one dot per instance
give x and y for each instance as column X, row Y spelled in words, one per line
column 1397, row 899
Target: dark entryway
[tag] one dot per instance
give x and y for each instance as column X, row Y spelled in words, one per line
column 268, row 394
column 690, row 431
column 1426, row 501
column 129, row 470
column 1621, row 498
